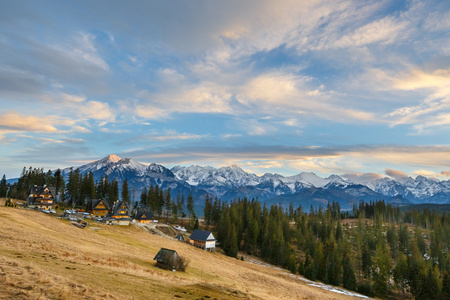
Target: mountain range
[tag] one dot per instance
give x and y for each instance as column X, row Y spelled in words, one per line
column 232, row 182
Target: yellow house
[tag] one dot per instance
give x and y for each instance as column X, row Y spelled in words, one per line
column 143, row 217
column 99, row 208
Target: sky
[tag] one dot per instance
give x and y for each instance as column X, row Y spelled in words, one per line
column 333, row 87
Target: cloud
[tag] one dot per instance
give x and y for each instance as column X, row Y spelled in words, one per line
column 206, row 98
column 80, row 106
column 167, row 135
column 398, row 175
column 14, row 81
column 445, row 173
column 12, row 121
column 279, row 93
column 384, row 31
column 438, row 21
column 362, row 178
column 434, row 109
column 231, row 135
column 426, row 173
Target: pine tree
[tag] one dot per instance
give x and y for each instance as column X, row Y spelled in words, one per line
column 401, row 273
column 3, row 187
column 366, row 263
column 167, row 203
column 403, row 239
column 382, row 268
column 207, row 211
column 160, row 202
column 125, row 191
column 113, row 194
column 143, row 199
column 348, row 276
column 152, row 199
column 190, row 204
column 232, row 242
column 445, row 292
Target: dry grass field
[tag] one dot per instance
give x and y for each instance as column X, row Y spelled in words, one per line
column 42, row 257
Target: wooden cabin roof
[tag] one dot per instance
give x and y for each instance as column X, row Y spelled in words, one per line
column 164, row 255
column 95, row 203
column 144, row 215
column 202, row 235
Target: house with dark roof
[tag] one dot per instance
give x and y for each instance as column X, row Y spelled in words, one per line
column 143, row 217
column 42, row 197
column 169, row 260
column 120, row 214
column 99, row 208
column 203, row 239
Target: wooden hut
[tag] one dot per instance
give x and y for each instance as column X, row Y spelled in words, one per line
column 168, row 259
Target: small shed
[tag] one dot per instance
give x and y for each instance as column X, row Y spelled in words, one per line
column 180, row 237
column 168, row 259
column 203, row 239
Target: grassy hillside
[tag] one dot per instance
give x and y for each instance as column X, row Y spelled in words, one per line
column 42, row 257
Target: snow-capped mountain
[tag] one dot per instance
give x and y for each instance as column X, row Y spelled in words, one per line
column 113, row 163
column 225, row 176
column 417, row 189
column 233, row 182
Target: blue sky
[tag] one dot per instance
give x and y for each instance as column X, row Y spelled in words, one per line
column 331, row 87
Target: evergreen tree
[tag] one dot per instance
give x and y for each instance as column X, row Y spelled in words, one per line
column 190, row 204
column 207, row 211
column 113, row 194
column 403, row 239
column 160, row 202
column 143, row 199
column 152, row 198
column 168, row 203
column 366, row 264
column 445, row 292
column 401, row 273
column 125, row 191
column 232, row 242
column 383, row 266
column 348, row 276
column 180, row 205
column 3, row 187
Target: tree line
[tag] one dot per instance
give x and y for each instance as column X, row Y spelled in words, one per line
column 379, row 251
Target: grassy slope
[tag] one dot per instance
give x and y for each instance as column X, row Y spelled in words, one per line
column 47, row 258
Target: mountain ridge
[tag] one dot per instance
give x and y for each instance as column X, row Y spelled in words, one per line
column 228, row 183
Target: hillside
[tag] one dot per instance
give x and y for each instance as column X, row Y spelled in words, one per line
column 48, row 258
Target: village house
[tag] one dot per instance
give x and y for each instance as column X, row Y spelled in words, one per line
column 168, row 259
column 42, row 197
column 143, row 217
column 203, row 239
column 120, row 214
column 99, row 208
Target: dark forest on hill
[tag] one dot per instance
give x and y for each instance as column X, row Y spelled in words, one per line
column 377, row 249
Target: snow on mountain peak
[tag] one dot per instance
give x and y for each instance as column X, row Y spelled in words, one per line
column 113, row 158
